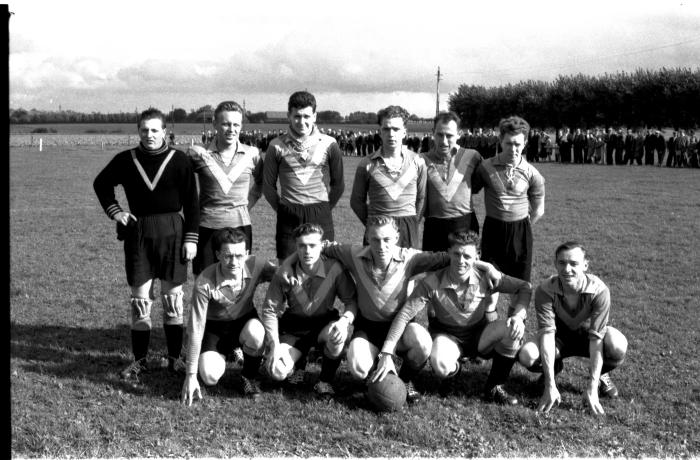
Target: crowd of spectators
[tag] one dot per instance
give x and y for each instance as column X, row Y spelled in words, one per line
column 594, row 146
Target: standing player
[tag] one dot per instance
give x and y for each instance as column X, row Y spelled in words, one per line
column 448, row 190
column 382, row 272
column 309, row 166
column 301, row 314
column 457, row 302
column 159, row 184
column 230, row 182
column 223, row 317
column 573, row 310
column 391, row 182
column 513, row 198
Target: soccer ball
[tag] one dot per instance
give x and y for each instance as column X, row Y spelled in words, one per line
column 387, row 395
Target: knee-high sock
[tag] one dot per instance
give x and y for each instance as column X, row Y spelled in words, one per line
column 500, row 369
column 173, row 337
column 139, row 343
column 328, row 368
column 251, row 365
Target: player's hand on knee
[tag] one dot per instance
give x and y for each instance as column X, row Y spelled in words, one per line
column 592, row 401
column 550, row 397
column 189, row 250
column 190, row 389
column 384, row 365
column 516, row 327
column 338, row 331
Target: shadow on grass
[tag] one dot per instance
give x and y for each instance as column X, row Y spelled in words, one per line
column 95, row 355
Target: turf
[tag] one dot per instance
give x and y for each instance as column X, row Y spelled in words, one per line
column 69, row 337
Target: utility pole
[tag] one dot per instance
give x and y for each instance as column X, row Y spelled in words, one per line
column 437, row 92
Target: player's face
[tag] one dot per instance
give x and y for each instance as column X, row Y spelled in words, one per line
column 302, row 120
column 232, row 256
column 445, row 136
column 152, row 133
column 382, row 241
column 228, row 127
column 392, row 132
column 462, row 259
column 512, row 146
column 571, row 265
column 309, row 249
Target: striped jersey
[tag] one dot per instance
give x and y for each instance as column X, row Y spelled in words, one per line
column 313, row 296
column 379, row 190
column 380, row 295
column 226, row 191
column 509, row 191
column 308, row 172
column 449, row 183
column 216, row 296
column 591, row 312
column 453, row 304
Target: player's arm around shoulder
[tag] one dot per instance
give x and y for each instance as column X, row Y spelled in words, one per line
column 270, row 174
column 337, row 175
column 536, row 194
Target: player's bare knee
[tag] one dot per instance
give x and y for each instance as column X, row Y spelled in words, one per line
column 358, row 366
column 252, row 337
column 528, row 354
column 615, row 344
column 140, row 312
column 443, row 368
column 211, row 367
column 172, row 308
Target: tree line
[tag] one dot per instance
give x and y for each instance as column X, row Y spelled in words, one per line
column 663, row 98
column 202, row 115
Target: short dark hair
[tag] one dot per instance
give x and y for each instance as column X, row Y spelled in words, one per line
column 227, row 235
column 300, row 100
column 569, row 245
column 467, row 238
column 392, row 111
column 513, row 125
column 307, row 229
column 228, row 106
column 446, row 117
column 151, row 113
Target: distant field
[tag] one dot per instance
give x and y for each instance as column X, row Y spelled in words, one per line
column 179, row 128
column 69, row 337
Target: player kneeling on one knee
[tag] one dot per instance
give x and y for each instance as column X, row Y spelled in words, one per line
column 223, row 317
column 573, row 309
column 299, row 313
column 455, row 300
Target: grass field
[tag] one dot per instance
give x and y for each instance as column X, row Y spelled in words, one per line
column 70, row 337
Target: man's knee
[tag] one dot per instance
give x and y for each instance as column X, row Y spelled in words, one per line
column 359, row 359
column 529, row 354
column 282, row 368
column 212, row 366
column 615, row 344
column 252, row 337
column 417, row 343
column 141, row 314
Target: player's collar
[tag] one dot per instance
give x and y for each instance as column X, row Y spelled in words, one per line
column 162, row 149
column 588, row 287
column 320, row 270
column 447, row 283
column 366, row 253
column 212, row 147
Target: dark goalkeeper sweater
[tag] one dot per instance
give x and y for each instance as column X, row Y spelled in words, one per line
column 163, row 189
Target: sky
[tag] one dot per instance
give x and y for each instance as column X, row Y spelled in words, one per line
column 358, row 55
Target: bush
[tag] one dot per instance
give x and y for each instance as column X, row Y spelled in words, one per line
column 43, row 130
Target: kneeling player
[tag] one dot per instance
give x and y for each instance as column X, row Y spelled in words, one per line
column 382, row 272
column 456, row 299
column 223, row 318
column 573, row 308
column 302, row 295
